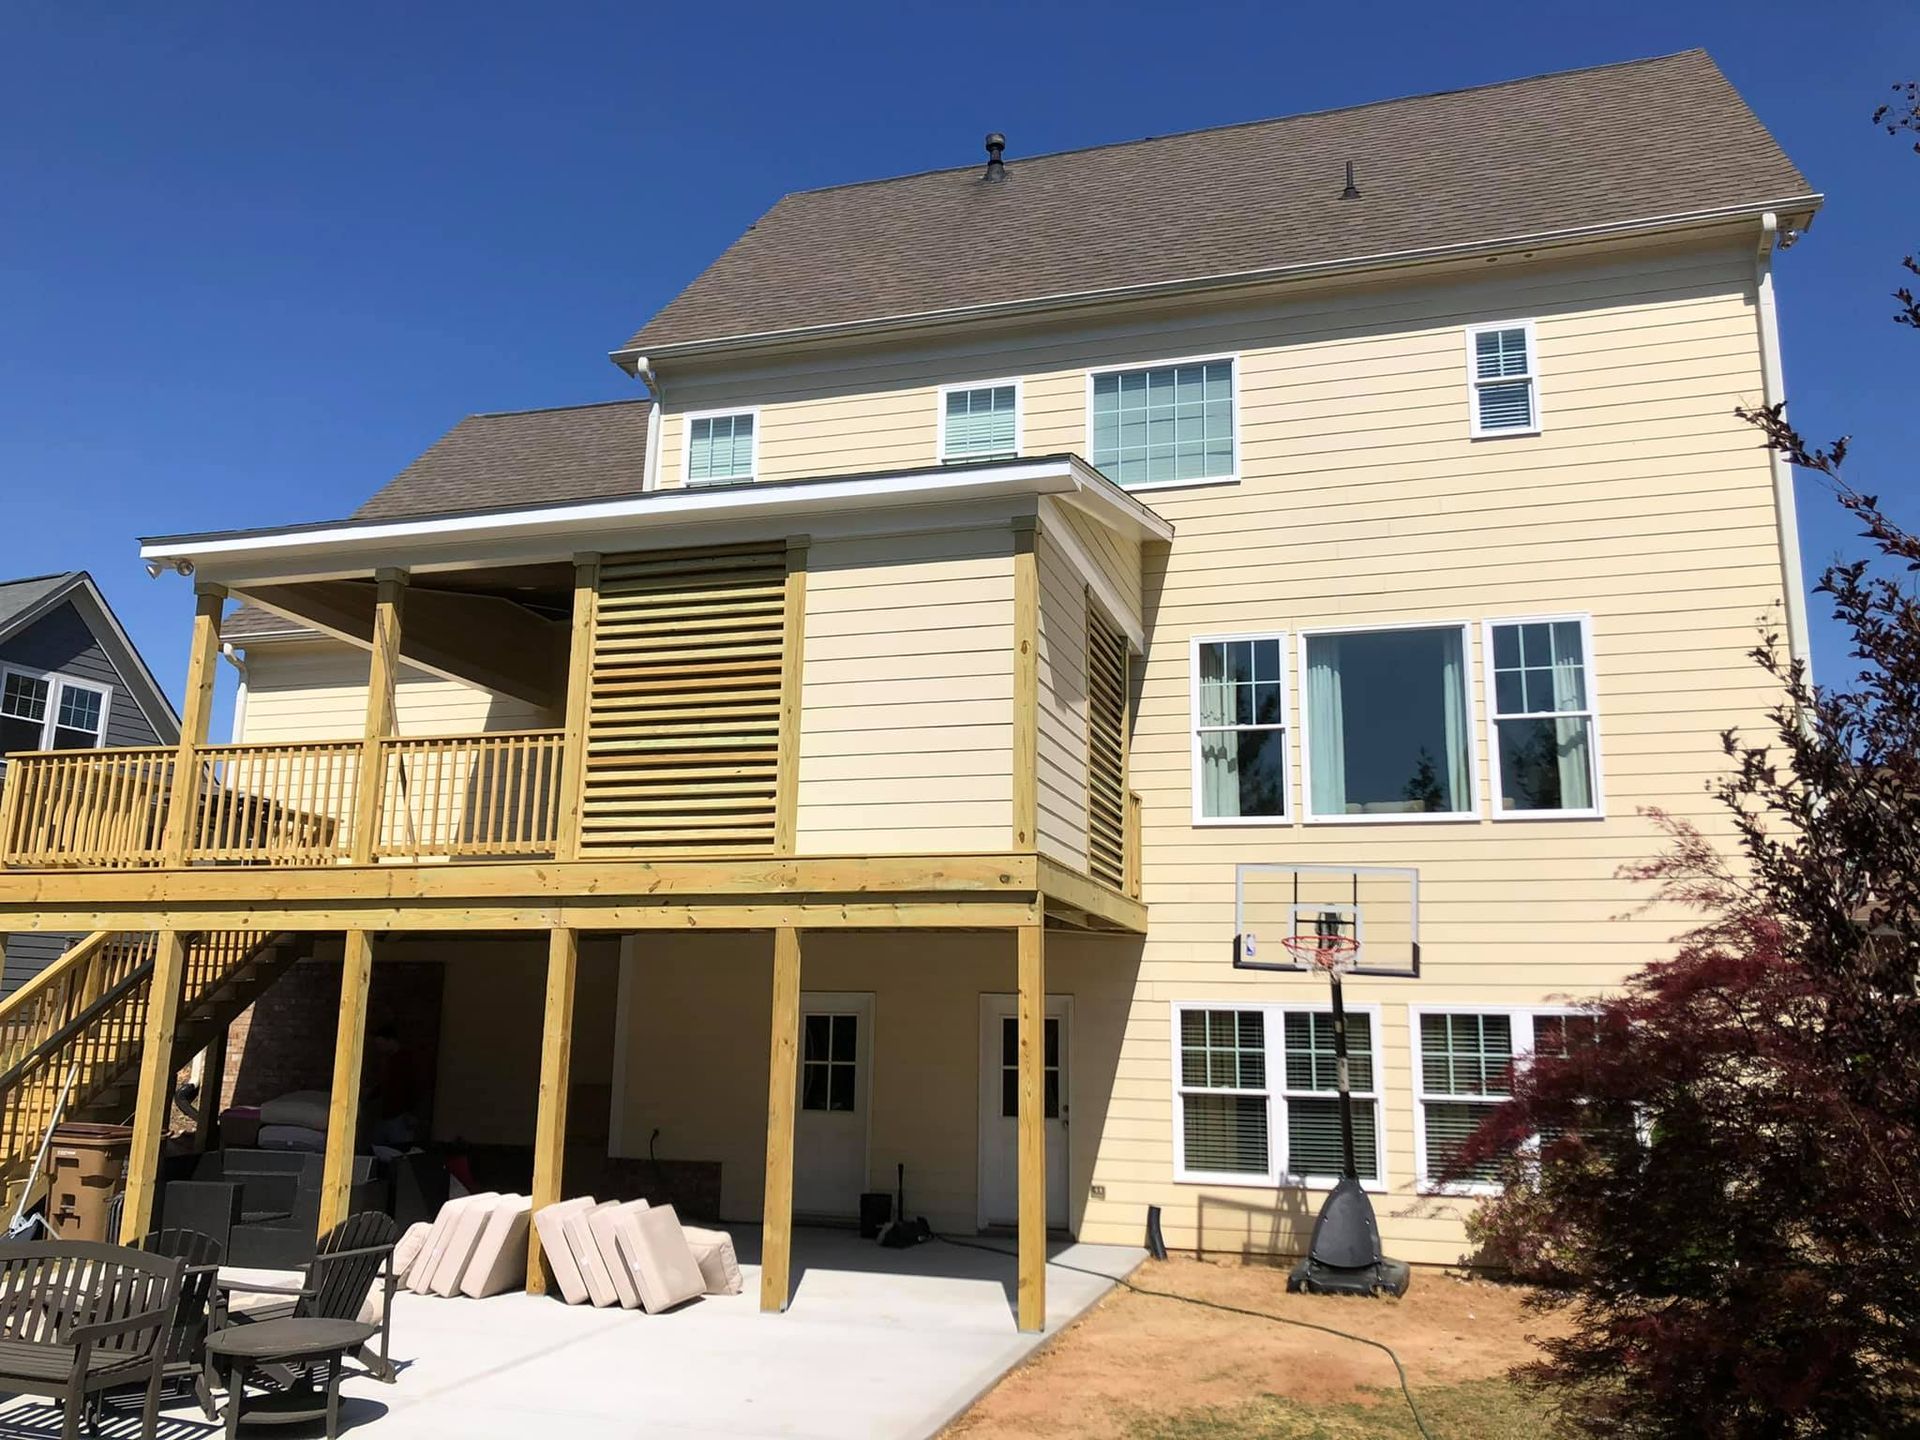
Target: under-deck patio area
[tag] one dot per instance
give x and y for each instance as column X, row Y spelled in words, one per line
column 887, row 1344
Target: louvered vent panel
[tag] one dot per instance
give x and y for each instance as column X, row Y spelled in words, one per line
column 683, row 722
column 1106, row 750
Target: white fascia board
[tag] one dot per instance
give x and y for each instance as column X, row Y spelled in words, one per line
column 1109, row 599
column 659, row 518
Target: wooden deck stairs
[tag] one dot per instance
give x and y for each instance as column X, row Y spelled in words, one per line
column 86, row 1015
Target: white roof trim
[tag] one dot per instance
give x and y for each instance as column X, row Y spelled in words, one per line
column 635, row 520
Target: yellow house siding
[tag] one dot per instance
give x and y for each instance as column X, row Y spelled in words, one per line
column 906, row 724
column 1363, row 500
column 1062, row 788
column 317, row 690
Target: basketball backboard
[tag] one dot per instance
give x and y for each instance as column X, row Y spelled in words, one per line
column 1377, row 906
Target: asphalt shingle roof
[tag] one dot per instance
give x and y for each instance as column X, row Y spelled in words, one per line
column 1623, row 142
column 19, row 596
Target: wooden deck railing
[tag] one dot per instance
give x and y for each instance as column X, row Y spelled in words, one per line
column 495, row 795
column 91, row 809
column 470, row 796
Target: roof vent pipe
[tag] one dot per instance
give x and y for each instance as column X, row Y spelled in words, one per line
column 996, row 148
column 1352, row 192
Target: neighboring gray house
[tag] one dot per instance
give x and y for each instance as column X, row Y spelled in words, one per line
column 69, row 679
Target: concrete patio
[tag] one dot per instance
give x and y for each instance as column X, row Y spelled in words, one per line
column 890, row 1345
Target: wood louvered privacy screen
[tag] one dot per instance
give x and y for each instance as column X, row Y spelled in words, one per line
column 683, row 717
column 1106, row 750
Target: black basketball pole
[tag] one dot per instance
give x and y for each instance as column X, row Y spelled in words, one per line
column 1351, row 1170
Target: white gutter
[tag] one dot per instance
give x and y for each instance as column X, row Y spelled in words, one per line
column 239, row 663
column 355, row 546
column 650, row 465
column 628, row 358
column 1786, row 512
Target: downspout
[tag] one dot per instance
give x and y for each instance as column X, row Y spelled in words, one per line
column 237, row 658
column 1786, row 513
column 644, row 372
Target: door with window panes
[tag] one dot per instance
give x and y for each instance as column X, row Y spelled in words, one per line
column 1000, row 1109
column 830, row 1124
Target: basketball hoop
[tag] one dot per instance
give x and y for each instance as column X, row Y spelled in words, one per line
column 1335, row 954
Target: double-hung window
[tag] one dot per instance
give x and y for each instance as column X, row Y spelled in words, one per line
column 1239, row 728
column 50, row 712
column 980, row 422
column 1388, row 724
column 1503, row 384
column 721, row 446
column 1163, row 424
column 1463, row 1070
column 1540, row 693
column 1255, row 1094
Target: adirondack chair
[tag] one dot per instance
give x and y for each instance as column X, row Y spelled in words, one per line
column 186, row 1346
column 78, row 1318
column 345, row 1265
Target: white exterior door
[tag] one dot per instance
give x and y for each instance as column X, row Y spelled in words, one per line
column 830, row 1125
column 1000, row 1108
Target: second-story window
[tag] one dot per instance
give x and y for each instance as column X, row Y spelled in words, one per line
column 1164, row 424
column 720, row 447
column 980, row 422
column 1543, row 741
column 50, row 712
column 1388, row 735
column 1239, row 727
column 1503, row 385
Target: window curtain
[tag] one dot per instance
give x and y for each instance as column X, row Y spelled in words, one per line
column 1326, row 726
column 1453, row 680
column 1219, row 751
column 1572, row 737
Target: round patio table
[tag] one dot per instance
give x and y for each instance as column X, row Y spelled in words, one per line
column 286, row 1342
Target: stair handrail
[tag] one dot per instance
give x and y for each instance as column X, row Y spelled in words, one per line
column 54, row 973
column 127, row 984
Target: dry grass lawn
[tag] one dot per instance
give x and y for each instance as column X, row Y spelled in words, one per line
column 1137, row 1367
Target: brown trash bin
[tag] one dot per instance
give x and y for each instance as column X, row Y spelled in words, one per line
column 85, row 1164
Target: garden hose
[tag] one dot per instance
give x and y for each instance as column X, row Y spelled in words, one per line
column 1400, row 1370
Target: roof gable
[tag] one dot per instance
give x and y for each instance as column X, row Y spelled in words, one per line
column 24, row 603
column 1636, row 141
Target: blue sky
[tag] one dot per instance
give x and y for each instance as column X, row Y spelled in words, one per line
column 255, row 258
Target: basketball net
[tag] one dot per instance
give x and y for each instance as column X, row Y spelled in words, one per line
column 1335, row 954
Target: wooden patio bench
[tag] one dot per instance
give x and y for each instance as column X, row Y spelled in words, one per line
column 79, row 1318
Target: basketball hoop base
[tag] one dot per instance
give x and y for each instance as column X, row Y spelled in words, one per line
column 1345, row 1257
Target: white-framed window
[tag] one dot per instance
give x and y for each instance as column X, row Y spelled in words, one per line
column 1503, row 383
column 44, row 711
column 722, row 445
column 1239, row 729
column 1387, row 724
column 1171, row 423
column 1463, row 1063
column 980, row 421
column 1254, row 1094
column 829, row 1062
column 1543, row 739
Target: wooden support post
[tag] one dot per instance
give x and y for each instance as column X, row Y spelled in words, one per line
column 203, row 657
column 786, row 801
column 1026, row 682
column 573, row 744
column 156, row 1085
column 382, row 673
column 213, row 1080
column 783, row 1079
column 556, row 1066
column 349, row 1051
column 1033, row 1129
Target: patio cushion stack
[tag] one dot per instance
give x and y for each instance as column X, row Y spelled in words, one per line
column 663, row 1267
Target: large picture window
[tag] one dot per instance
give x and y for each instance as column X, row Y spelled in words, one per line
column 1540, row 691
column 1164, row 424
column 1388, row 728
column 1255, row 1096
column 1240, row 736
